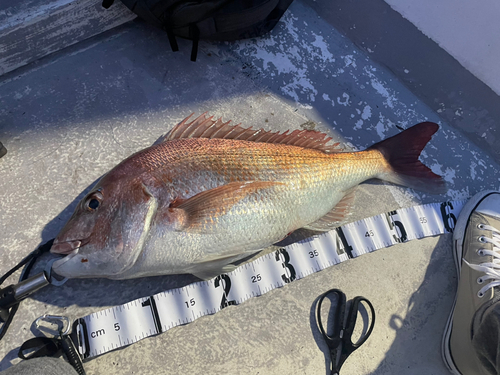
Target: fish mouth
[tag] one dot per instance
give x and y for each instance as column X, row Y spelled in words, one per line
column 68, row 247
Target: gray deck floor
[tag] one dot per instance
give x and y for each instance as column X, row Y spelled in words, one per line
column 68, row 118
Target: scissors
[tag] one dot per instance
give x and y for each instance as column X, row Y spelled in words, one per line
column 340, row 341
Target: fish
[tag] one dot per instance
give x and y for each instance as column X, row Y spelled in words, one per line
column 209, row 194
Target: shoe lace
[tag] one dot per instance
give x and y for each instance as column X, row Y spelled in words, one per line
column 490, row 269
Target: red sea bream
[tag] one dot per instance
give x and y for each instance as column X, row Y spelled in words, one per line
column 210, row 194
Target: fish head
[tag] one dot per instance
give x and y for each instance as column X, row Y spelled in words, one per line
column 105, row 234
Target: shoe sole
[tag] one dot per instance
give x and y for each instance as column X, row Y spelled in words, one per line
column 458, row 241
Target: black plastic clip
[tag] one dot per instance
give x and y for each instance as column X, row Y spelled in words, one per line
column 53, row 346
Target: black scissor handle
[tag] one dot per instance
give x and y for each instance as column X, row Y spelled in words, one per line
column 334, row 339
column 351, row 323
column 340, row 343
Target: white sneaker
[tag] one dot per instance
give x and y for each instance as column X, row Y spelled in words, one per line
column 476, row 245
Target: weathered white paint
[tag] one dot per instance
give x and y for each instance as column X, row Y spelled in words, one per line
column 468, row 30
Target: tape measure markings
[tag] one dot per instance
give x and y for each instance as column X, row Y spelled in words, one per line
column 126, row 324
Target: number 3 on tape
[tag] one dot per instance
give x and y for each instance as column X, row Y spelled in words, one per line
column 283, row 257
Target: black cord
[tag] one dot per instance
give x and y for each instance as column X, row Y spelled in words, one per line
column 29, row 261
column 6, row 325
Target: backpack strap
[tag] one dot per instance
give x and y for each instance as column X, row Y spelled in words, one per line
column 172, row 40
column 194, row 33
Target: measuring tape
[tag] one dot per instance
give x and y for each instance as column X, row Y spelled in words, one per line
column 119, row 326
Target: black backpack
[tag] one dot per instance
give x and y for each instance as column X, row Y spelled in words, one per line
column 208, row 19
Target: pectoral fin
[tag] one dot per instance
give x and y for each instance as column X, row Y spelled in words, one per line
column 199, row 213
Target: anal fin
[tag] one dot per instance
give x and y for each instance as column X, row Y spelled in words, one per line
column 212, row 272
column 212, row 266
column 337, row 216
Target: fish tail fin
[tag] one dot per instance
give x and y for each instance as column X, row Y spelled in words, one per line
column 402, row 152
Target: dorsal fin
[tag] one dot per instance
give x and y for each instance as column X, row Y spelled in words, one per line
column 207, row 127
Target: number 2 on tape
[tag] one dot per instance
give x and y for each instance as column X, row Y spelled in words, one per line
column 226, row 288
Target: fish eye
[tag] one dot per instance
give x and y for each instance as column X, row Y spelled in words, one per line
column 93, row 204
column 94, row 201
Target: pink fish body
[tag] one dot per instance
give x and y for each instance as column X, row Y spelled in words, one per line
column 211, row 194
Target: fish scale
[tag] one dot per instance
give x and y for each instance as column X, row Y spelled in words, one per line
column 284, row 162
